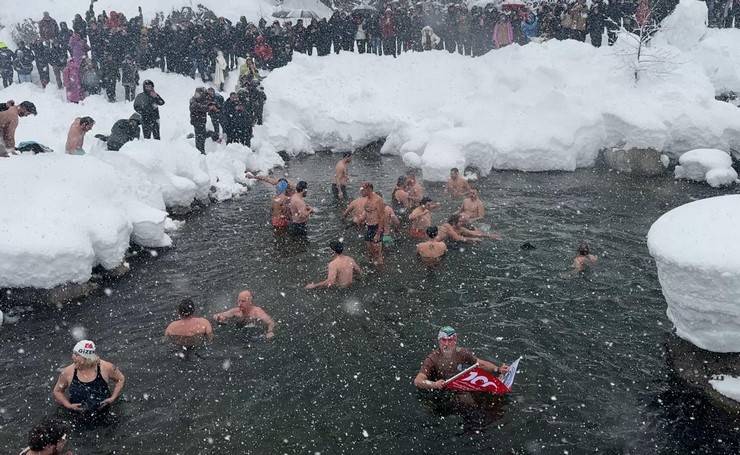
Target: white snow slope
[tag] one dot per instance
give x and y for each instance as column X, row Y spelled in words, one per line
column 64, row 214
column 698, row 258
column 538, row 107
column 712, row 166
column 728, row 386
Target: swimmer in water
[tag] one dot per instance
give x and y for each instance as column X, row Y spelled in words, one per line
column 400, row 197
column 414, row 189
column 454, row 230
column 87, row 382
column 280, row 207
column 341, row 177
column 47, row 438
column 432, row 250
column 374, row 222
column 457, row 186
column 356, row 209
column 189, row 331
column 584, row 260
column 341, row 269
column 246, row 311
column 421, row 218
column 299, row 210
column 449, row 360
column 472, row 207
column 392, row 223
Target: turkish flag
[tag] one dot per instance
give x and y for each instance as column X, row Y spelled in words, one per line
column 476, row 379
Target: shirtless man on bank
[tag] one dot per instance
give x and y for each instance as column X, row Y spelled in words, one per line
column 457, row 186
column 299, row 210
column 356, row 209
column 472, row 207
column 189, row 330
column 432, row 250
column 341, row 270
column 341, row 177
column 246, row 311
column 374, row 222
column 421, row 218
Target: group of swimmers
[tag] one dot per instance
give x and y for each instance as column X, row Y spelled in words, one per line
column 84, row 387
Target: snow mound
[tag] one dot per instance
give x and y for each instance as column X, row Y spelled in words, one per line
column 86, row 210
column 539, row 107
column 728, row 386
column 715, row 49
column 710, row 165
column 698, row 258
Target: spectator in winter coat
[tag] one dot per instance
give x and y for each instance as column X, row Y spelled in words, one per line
column 64, row 33
column 109, row 76
column 42, row 53
column 77, row 47
column 199, row 109
column 530, row 27
column 72, row 81
column 124, row 130
column 58, row 60
column 6, row 64
column 215, row 114
column 596, row 23
column 503, row 34
column 90, row 77
column 575, row 20
column 8, row 124
column 257, row 100
column 76, row 135
column 23, row 62
column 361, row 36
column 48, row 28
column 429, row 39
column 262, row 53
column 237, row 119
column 79, row 26
column 323, row 38
column 129, row 77
column 336, row 23
column 147, row 105
column 219, row 75
column 388, row 32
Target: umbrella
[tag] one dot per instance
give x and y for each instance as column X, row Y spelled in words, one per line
column 364, row 8
column 295, row 14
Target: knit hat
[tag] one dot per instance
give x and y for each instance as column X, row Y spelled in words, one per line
column 86, row 349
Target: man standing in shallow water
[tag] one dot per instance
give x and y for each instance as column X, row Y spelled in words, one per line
column 341, row 270
column 432, row 250
column 456, row 185
column 341, row 177
column 246, row 311
column 374, row 222
column 299, row 210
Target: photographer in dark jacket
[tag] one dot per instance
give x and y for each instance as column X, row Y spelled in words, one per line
column 216, row 116
column 147, row 105
column 200, row 106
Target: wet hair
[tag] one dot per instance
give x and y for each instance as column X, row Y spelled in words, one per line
column 44, row 434
column 401, row 180
column 87, row 121
column 454, row 219
column 347, row 155
column 367, row 185
column 425, row 199
column 186, row 308
column 380, row 195
column 337, row 247
column 454, row 169
column 583, row 249
column 301, row 186
column 432, row 231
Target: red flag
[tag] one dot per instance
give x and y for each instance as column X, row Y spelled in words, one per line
column 475, row 379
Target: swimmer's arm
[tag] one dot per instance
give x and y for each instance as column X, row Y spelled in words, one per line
column 421, row 381
column 228, row 314
column 380, row 207
column 266, row 179
column 356, row 268
column 416, row 214
column 395, row 222
column 58, row 392
column 577, row 265
column 264, row 317
column 492, row 367
column 209, row 330
column 116, row 376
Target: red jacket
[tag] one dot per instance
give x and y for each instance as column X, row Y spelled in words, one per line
column 262, row 50
column 387, row 25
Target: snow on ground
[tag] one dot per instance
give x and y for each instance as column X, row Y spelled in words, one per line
column 728, row 386
column 710, row 165
column 87, row 209
column 548, row 106
column 717, row 50
column 698, row 258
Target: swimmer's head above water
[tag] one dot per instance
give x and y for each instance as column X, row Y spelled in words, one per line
column 432, row 231
column 84, row 353
column 337, row 247
column 583, row 249
column 186, row 308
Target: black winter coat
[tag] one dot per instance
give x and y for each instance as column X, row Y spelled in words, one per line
column 148, row 106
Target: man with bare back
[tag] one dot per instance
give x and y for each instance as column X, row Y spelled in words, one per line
column 246, row 311
column 341, row 270
column 299, row 210
column 341, row 177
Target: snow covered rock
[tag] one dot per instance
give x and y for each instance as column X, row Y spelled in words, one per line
column 710, row 165
column 728, row 386
column 698, row 258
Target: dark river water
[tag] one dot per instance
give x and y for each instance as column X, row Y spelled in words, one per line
column 337, row 377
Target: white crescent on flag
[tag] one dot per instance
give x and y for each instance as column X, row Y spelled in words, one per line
column 475, row 379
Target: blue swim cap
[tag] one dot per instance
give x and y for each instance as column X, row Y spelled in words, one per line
column 281, row 186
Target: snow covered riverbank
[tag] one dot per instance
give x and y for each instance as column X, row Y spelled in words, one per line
column 62, row 214
column 538, row 107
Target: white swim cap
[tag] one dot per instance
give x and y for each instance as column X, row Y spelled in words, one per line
column 86, row 349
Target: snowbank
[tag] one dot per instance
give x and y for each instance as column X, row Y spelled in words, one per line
column 62, row 214
column 710, row 165
column 715, row 49
column 698, row 258
column 549, row 106
column 728, row 386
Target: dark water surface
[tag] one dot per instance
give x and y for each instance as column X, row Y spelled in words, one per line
column 337, row 377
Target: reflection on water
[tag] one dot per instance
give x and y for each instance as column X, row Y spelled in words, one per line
column 337, row 376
